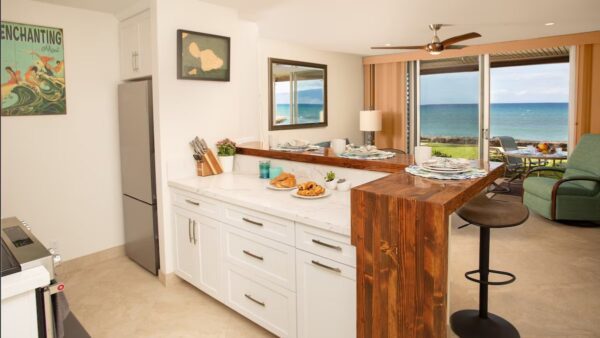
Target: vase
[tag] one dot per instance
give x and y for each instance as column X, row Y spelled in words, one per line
column 226, row 163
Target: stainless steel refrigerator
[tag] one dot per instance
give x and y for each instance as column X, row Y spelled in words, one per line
column 138, row 174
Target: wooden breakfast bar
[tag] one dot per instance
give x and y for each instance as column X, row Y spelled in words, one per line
column 400, row 227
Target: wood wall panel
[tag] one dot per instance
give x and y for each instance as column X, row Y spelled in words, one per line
column 587, row 98
column 389, row 91
column 545, row 42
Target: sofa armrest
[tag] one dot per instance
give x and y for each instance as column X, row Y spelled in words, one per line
column 564, row 180
column 540, row 169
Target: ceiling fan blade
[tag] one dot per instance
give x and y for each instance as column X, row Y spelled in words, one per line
column 456, row 47
column 398, row 47
column 460, row 38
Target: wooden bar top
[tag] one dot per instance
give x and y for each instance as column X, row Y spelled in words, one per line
column 391, row 165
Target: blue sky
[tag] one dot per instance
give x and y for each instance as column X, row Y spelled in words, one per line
column 536, row 83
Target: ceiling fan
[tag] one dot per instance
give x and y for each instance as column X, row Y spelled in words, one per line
column 435, row 47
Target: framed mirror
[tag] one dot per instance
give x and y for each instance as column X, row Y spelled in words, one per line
column 297, row 94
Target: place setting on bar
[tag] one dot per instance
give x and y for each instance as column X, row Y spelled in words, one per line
column 442, row 168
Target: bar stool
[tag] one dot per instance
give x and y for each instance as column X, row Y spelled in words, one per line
column 487, row 214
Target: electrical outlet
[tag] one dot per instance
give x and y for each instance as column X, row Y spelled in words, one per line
column 55, row 245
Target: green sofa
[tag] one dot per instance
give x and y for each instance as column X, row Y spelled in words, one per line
column 576, row 196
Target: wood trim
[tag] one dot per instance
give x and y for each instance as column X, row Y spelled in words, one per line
column 543, row 42
column 583, row 90
column 400, row 230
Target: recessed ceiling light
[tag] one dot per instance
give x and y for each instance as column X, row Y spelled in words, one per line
column 388, row 44
column 549, row 23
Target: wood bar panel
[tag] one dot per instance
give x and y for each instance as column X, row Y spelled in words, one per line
column 400, row 230
column 391, row 165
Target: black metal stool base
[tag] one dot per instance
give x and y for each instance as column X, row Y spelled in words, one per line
column 468, row 324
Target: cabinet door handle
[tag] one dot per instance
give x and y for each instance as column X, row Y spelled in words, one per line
column 317, row 263
column 248, row 253
column 194, row 231
column 254, row 300
column 192, row 202
column 190, row 229
column 335, row 247
column 135, row 61
column 252, row 222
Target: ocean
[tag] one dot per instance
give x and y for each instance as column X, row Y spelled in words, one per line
column 523, row 121
column 307, row 113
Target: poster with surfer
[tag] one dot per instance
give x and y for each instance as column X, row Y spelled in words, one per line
column 33, row 70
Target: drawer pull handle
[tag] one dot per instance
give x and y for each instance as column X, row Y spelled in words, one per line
column 254, row 300
column 192, row 202
column 253, row 255
column 335, row 247
column 317, row 263
column 252, row 222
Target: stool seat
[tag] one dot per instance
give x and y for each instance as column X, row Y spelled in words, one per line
column 491, row 213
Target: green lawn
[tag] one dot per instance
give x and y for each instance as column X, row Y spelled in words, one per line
column 468, row 151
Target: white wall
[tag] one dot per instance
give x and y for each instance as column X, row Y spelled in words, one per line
column 62, row 173
column 188, row 108
column 344, row 91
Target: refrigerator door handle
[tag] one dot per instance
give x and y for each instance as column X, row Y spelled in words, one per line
column 190, row 230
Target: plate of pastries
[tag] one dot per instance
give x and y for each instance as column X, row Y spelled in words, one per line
column 285, row 181
column 310, row 190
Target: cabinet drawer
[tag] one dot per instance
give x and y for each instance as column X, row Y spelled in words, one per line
column 325, row 244
column 272, row 227
column 271, row 307
column 261, row 257
column 192, row 202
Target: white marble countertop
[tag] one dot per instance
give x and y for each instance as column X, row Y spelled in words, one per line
column 26, row 280
column 330, row 213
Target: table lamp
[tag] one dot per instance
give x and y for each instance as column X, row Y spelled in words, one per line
column 370, row 122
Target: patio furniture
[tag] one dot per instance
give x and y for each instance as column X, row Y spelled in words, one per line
column 514, row 166
column 487, row 214
column 574, row 197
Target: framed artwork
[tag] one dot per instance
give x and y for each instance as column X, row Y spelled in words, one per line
column 202, row 56
column 33, row 70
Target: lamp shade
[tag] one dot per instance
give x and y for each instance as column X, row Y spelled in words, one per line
column 370, row 120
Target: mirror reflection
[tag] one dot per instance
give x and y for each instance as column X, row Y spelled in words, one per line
column 297, row 94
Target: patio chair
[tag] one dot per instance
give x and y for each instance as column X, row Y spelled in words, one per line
column 515, row 167
column 574, row 197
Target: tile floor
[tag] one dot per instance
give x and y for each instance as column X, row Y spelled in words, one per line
column 557, row 292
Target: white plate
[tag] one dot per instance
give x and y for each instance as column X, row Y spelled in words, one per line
column 446, row 171
column 269, row 186
column 295, row 194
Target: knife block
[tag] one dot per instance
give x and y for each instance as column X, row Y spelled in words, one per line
column 202, row 169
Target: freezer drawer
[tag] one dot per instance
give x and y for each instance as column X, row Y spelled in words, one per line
column 141, row 242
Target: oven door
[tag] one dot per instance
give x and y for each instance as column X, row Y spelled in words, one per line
column 54, row 317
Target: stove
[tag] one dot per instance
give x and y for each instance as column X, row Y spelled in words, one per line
column 22, row 250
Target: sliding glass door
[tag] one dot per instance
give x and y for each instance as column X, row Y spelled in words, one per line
column 449, row 107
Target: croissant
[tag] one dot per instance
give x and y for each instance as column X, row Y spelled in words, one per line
column 310, row 188
column 284, row 180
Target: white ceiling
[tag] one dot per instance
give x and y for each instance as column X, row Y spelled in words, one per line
column 108, row 6
column 353, row 26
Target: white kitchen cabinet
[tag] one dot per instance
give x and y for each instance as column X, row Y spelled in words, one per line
column 187, row 259
column 326, row 292
column 197, row 242
column 135, row 45
column 207, row 232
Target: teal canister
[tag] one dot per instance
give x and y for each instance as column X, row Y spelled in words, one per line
column 275, row 171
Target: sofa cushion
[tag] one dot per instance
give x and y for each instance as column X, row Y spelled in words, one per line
column 542, row 187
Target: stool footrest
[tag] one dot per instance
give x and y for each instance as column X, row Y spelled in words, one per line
column 498, row 272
